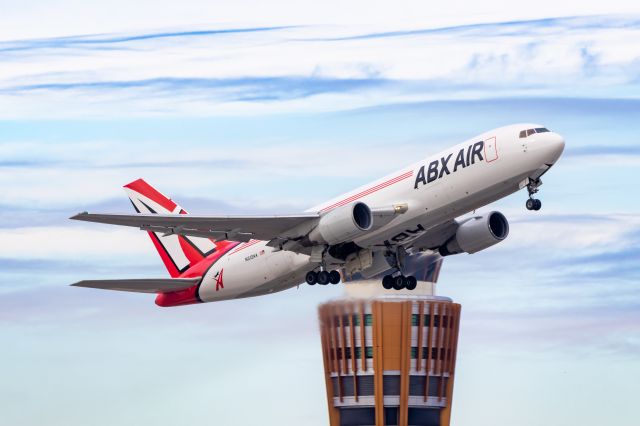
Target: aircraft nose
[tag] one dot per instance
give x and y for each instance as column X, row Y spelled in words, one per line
column 555, row 148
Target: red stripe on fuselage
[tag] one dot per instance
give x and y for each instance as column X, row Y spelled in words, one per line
column 369, row 191
column 245, row 245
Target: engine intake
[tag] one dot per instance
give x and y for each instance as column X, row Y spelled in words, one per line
column 342, row 224
column 477, row 233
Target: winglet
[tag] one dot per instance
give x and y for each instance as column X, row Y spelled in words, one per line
column 80, row 216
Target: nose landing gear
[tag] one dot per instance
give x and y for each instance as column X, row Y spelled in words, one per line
column 533, row 204
column 532, row 188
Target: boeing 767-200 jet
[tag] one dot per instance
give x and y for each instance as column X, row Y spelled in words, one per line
column 369, row 230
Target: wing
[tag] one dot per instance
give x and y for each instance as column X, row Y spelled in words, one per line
column 234, row 228
column 145, row 285
column 436, row 236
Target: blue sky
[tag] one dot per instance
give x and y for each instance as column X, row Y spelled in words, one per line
column 236, row 109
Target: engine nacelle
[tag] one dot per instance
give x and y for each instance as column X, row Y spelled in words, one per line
column 477, row 233
column 342, row 224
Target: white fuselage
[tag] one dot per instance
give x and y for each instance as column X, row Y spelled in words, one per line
column 436, row 189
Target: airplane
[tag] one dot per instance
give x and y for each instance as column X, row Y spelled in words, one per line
column 370, row 231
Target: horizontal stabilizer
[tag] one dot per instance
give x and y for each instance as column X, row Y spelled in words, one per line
column 144, row 285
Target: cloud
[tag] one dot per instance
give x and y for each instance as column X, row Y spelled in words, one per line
column 13, row 216
column 590, row 60
column 243, row 89
column 72, row 243
column 605, row 330
column 260, row 69
column 23, row 163
column 589, row 232
column 506, row 28
column 102, row 41
column 65, row 266
column 617, row 261
column 600, row 150
column 235, row 171
column 517, row 28
column 174, row 164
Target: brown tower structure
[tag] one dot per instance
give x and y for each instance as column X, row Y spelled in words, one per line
column 389, row 356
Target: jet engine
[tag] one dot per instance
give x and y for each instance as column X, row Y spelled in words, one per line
column 477, row 233
column 342, row 224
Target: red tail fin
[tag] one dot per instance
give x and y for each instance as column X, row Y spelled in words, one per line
column 178, row 252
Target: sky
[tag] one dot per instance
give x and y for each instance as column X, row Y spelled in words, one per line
column 254, row 107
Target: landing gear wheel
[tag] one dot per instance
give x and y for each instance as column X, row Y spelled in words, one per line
column 534, row 204
column 334, row 277
column 323, row 278
column 311, row 278
column 387, row 282
column 537, row 205
column 399, row 282
column 532, row 188
column 411, row 282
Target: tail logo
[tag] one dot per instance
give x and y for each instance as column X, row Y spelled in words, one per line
column 218, row 277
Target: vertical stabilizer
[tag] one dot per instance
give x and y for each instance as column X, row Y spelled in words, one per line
column 178, row 252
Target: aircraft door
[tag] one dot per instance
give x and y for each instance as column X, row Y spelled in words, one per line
column 491, row 149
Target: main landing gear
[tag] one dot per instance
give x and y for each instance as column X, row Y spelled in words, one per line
column 532, row 188
column 395, row 258
column 399, row 282
column 322, row 277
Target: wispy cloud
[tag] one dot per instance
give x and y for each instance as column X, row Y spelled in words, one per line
column 231, row 89
column 292, row 69
column 111, row 41
column 510, row 28
column 23, row 163
column 141, row 165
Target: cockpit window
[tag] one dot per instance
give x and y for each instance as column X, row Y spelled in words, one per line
column 529, row 132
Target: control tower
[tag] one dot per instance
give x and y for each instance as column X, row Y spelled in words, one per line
column 390, row 355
